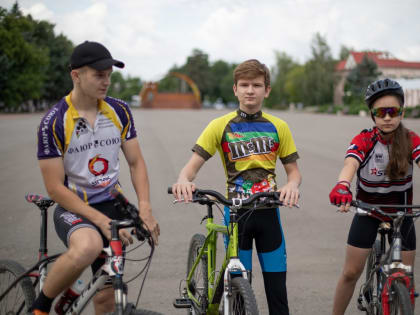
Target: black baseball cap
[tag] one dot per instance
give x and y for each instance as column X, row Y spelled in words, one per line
column 94, row 55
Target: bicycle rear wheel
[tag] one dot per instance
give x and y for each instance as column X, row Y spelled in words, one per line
column 20, row 298
column 242, row 301
column 399, row 300
column 198, row 285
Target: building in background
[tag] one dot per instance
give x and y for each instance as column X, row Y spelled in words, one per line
column 406, row 73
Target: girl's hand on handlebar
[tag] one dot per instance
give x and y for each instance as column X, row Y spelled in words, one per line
column 341, row 196
column 183, row 191
column 289, row 194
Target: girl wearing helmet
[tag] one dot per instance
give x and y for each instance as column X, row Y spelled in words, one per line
column 383, row 159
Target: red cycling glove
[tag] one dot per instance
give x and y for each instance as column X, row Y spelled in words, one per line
column 340, row 195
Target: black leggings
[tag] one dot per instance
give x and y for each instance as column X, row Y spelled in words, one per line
column 276, row 292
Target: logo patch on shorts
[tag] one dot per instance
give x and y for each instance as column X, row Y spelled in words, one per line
column 70, row 218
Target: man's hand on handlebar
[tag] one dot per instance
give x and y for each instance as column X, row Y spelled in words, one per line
column 150, row 222
column 125, row 237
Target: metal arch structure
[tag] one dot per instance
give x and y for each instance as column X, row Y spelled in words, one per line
column 191, row 84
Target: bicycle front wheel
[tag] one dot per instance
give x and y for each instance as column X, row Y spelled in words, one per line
column 143, row 312
column 20, row 298
column 242, row 301
column 371, row 299
column 399, row 300
column 198, row 284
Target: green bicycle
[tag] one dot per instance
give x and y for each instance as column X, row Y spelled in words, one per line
column 226, row 290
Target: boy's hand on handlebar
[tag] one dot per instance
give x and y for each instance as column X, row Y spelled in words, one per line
column 289, row 194
column 341, row 196
column 183, row 191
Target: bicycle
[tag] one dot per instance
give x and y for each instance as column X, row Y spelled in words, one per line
column 229, row 292
column 21, row 285
column 389, row 286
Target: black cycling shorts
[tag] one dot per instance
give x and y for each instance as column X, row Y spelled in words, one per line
column 364, row 229
column 67, row 222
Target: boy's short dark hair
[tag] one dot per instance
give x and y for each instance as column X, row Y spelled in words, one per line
column 250, row 69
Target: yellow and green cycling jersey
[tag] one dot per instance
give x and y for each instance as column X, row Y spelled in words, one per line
column 249, row 146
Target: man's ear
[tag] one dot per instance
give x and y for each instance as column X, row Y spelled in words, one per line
column 75, row 75
column 234, row 89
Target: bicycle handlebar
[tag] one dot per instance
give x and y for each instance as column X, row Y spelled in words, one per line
column 363, row 208
column 199, row 195
column 132, row 213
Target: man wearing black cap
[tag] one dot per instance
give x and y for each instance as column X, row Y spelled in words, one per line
column 79, row 141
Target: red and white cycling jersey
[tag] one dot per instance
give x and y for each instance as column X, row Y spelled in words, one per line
column 373, row 185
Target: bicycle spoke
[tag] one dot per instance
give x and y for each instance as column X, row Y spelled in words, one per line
column 238, row 306
column 14, row 301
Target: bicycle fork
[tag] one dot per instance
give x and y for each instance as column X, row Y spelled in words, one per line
column 234, row 267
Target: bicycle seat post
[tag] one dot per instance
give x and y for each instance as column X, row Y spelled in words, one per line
column 43, row 249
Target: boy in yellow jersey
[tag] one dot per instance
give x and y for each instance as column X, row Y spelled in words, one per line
column 79, row 141
column 249, row 142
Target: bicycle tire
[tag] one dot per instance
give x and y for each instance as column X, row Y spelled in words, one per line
column 372, row 297
column 199, row 282
column 143, row 312
column 22, row 296
column 243, row 299
column 399, row 300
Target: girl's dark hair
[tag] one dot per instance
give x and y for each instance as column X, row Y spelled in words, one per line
column 400, row 155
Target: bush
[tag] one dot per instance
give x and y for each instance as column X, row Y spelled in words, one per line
column 355, row 108
column 330, row 108
column 412, row 112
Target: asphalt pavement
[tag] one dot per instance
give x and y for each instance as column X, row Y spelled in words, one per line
column 315, row 234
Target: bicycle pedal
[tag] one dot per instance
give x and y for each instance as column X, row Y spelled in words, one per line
column 182, row 303
column 360, row 306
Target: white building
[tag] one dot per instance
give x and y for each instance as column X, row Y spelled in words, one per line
column 406, row 73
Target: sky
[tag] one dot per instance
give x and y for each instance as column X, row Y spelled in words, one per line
column 152, row 36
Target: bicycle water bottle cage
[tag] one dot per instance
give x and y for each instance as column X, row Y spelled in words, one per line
column 236, row 203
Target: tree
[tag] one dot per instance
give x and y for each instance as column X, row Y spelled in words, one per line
column 345, row 52
column 358, row 79
column 34, row 61
column 279, row 96
column 124, row 88
column 222, row 81
column 318, row 87
column 197, row 68
column 23, row 61
column 294, row 84
column 170, row 83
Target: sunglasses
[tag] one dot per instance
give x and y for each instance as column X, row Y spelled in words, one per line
column 383, row 111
